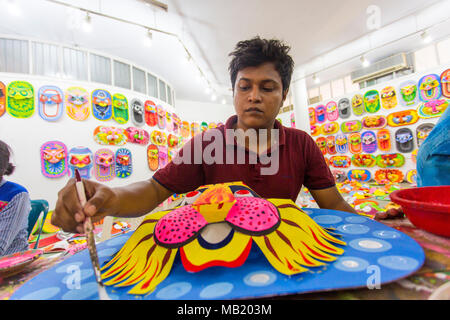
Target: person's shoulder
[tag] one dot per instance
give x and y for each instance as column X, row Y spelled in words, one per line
column 17, row 188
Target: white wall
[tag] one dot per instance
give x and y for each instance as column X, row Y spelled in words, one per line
column 200, row 111
column 25, row 136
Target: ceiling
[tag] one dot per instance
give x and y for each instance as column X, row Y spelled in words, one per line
column 208, row 29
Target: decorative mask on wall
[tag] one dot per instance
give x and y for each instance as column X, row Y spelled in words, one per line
column 158, row 137
column 104, row 165
column 124, row 166
column 358, row 104
column 339, row 175
column 331, row 145
column 332, row 112
column 176, row 123
column 388, row 98
column 369, row 142
column 432, row 109
column 354, row 142
column 20, row 99
column 340, row 161
column 312, row 115
column 163, row 156
column 77, row 103
column 212, row 125
column 422, row 132
column 204, row 126
column 411, row 176
column 152, row 157
column 51, row 103
column 2, row 98
column 137, row 112
column 361, row 175
column 172, row 141
column 408, row 90
column 185, row 129
column 150, row 113
column 390, row 160
column 445, row 83
column 329, row 128
column 363, row 160
column 372, row 101
column 137, row 135
column 374, row 122
column 320, row 113
column 54, row 159
column 81, row 158
column 429, row 88
column 384, row 140
column 101, row 104
column 402, row 118
column 110, row 136
column 344, row 108
column 292, row 120
column 384, row 176
column 315, row 130
column 169, row 122
column 404, row 140
column 195, row 128
column 351, row 126
column 322, row 144
column 341, row 143
column 120, row 108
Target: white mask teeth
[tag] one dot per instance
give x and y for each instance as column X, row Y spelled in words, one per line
column 242, row 194
column 191, row 197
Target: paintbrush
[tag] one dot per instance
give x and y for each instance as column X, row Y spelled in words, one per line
column 89, row 232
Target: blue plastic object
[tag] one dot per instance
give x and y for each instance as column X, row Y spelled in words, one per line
column 433, row 157
column 37, row 207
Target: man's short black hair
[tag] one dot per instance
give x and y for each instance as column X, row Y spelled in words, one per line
column 256, row 51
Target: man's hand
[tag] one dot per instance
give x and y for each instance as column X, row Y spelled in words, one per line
column 69, row 215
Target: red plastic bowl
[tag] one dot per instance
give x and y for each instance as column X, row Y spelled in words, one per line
column 427, row 208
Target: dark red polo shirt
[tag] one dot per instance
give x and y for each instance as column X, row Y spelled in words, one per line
column 300, row 162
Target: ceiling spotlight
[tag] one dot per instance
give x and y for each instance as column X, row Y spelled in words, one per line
column 148, row 39
column 208, row 90
column 426, row 38
column 213, row 97
column 316, row 79
column 87, row 25
column 224, row 101
column 365, row 63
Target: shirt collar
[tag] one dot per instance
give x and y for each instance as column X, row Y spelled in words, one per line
column 2, row 182
column 277, row 125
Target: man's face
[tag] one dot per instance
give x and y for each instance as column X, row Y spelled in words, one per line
column 258, row 96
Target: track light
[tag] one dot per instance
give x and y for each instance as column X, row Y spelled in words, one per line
column 316, row 79
column 224, row 101
column 13, row 8
column 213, row 97
column 87, row 25
column 426, row 38
column 365, row 63
column 148, row 39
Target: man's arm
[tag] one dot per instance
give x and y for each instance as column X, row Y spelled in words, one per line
column 133, row 200
column 330, row 198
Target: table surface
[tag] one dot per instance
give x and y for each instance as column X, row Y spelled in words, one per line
column 434, row 273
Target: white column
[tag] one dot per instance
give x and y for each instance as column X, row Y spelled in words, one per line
column 300, row 97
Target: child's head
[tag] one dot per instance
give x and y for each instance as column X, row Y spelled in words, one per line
column 257, row 51
column 6, row 167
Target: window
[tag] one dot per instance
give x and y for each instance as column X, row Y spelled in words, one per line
column 349, row 85
column 122, row 76
column 45, row 59
column 100, row 69
column 425, row 58
column 169, row 95
column 325, row 91
column 152, row 89
column 14, row 56
column 443, row 49
column 162, row 91
column 139, row 80
column 337, row 88
column 75, row 64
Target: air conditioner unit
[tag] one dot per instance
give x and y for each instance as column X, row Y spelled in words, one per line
column 314, row 100
column 380, row 68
